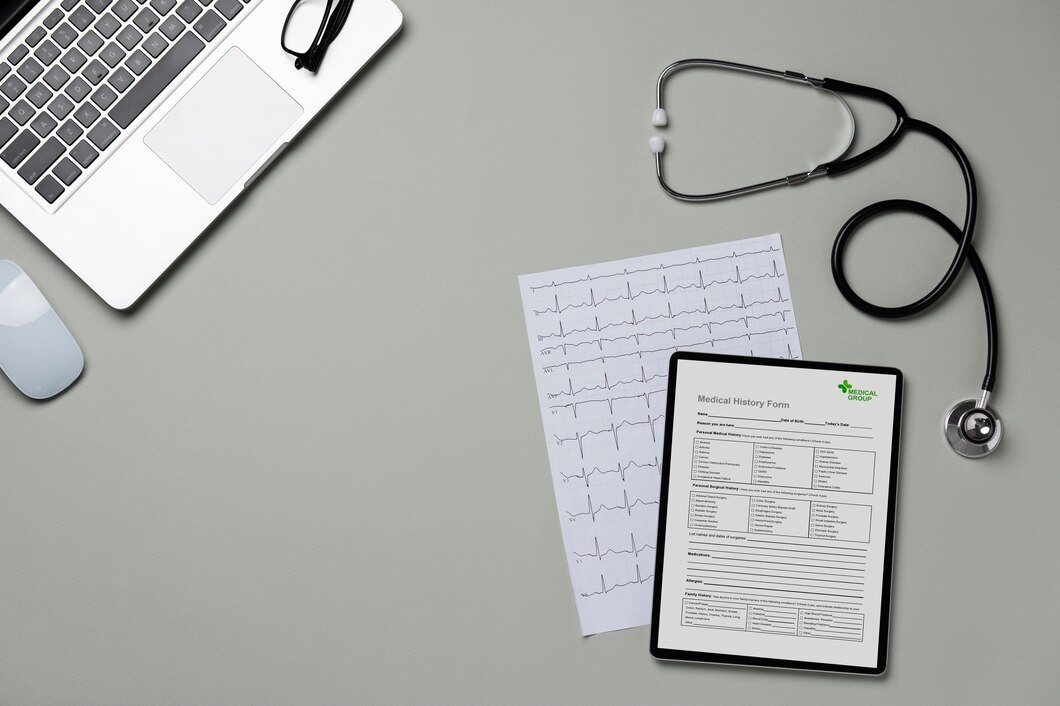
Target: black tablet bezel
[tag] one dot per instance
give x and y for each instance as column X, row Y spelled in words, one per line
column 885, row 601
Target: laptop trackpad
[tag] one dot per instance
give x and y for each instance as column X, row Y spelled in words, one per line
column 223, row 125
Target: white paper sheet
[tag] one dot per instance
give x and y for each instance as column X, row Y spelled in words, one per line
column 601, row 337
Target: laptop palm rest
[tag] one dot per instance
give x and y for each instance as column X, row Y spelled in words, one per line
column 223, row 125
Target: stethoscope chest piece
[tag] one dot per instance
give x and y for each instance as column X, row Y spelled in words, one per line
column 973, row 430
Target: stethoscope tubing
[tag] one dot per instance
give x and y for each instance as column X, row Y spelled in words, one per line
column 965, row 251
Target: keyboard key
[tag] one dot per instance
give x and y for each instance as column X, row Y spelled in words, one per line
column 73, row 60
column 138, row 62
column 22, row 113
column 64, row 36
column 129, row 37
column 209, row 25
column 146, row 20
column 84, row 154
column 152, row 83
column 172, row 27
column 12, row 87
column 86, row 115
column 53, row 18
column 69, row 4
column 18, row 55
column 112, row 54
column 103, row 134
column 5, row 69
column 50, row 189
column 67, row 171
column 20, row 148
column 43, row 124
column 56, row 77
column 189, row 10
column 124, row 9
column 41, row 160
column 30, row 70
column 81, row 18
column 121, row 79
column 47, row 52
column 154, row 45
column 90, row 43
column 7, row 130
column 108, row 25
column 228, row 8
column 35, row 36
column 61, row 106
column 98, row 5
column 69, row 132
column 39, row 95
column 94, row 72
column 163, row 6
column 104, row 97
column 78, row 89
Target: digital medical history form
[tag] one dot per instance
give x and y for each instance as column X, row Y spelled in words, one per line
column 776, row 517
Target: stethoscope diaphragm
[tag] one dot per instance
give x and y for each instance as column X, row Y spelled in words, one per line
column 973, row 429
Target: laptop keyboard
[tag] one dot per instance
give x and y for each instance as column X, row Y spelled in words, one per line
column 70, row 88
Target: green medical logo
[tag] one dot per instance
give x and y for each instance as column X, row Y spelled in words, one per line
column 854, row 394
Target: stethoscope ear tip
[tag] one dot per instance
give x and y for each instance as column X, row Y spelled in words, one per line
column 973, row 429
column 657, row 144
column 658, row 118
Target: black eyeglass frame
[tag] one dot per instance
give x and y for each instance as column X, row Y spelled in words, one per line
column 330, row 27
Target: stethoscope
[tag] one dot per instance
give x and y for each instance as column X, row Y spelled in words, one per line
column 972, row 427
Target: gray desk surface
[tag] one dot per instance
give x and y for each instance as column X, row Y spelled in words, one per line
column 310, row 468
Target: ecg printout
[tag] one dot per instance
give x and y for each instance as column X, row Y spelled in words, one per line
column 601, row 337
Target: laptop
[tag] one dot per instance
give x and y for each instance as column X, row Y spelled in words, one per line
column 128, row 126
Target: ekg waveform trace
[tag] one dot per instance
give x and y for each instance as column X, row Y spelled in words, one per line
column 665, row 289
column 600, row 340
column 604, row 589
column 634, row 548
column 668, row 314
column 619, row 468
column 626, row 272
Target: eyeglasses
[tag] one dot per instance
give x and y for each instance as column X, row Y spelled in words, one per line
column 332, row 21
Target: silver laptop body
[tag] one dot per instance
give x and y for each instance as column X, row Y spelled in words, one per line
column 130, row 125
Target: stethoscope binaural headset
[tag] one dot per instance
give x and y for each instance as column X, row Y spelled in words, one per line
column 972, row 427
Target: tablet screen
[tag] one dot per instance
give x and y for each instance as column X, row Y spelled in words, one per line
column 777, row 513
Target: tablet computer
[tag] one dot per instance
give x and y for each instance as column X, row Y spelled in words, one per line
column 776, row 513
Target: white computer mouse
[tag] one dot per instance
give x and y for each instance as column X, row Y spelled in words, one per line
column 37, row 351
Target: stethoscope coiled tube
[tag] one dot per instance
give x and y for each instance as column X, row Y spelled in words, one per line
column 972, row 427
